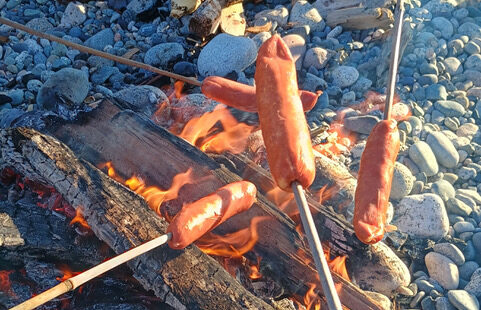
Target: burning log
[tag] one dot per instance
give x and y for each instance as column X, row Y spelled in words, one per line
column 122, row 219
column 138, row 147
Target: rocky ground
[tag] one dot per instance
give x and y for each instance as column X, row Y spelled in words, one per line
column 437, row 178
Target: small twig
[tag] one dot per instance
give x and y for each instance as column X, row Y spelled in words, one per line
column 393, row 63
column 333, row 301
column 92, row 51
column 74, row 282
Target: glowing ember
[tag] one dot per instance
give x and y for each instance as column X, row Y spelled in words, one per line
column 339, row 141
column 5, row 285
column 67, row 272
column 201, row 132
column 231, row 245
column 153, row 195
column 79, row 219
column 178, row 86
column 312, row 300
column 254, row 273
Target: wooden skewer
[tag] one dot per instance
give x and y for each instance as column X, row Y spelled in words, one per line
column 74, row 282
column 393, row 63
column 95, row 52
column 320, row 261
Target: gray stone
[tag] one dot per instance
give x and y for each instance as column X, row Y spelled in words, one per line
column 444, row 26
column 443, row 149
column 427, row 68
column 164, row 55
column 456, row 206
column 469, row 193
column 467, row 173
column 345, row 76
column 67, row 84
column 461, row 227
column 101, row 39
column 440, row 7
column 467, row 269
column 472, row 48
column 74, row 15
column 402, row 181
column 40, row 24
column 462, row 300
column 280, row 15
column 436, row 92
column 297, row 46
column 453, row 65
column 422, row 216
column 449, row 108
column 381, row 299
column 473, row 76
column 443, row 189
column 422, row 155
column 473, row 62
column 103, row 74
column 260, row 38
column 361, row 124
column 313, row 83
column 139, row 6
column 474, row 285
column 475, row 92
column 477, row 241
column 450, row 251
column 317, row 57
column 303, row 13
column 467, row 130
column 470, row 29
column 442, row 303
column 34, row 85
column 225, row 54
column 144, row 97
column 443, row 270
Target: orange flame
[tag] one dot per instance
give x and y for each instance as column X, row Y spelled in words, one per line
column 254, row 273
column 312, row 300
column 232, row 245
column 67, row 272
column 5, row 285
column 375, row 101
column 199, row 131
column 178, row 86
column 338, row 141
column 79, row 219
column 153, row 195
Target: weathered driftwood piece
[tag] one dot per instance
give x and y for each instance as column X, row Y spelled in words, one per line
column 360, row 18
column 137, row 146
column 327, row 6
column 186, row 279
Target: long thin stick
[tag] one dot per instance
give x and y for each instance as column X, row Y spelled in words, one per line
column 93, row 51
column 325, row 276
column 393, row 63
column 74, row 282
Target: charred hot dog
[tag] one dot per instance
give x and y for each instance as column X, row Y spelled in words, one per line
column 281, row 116
column 203, row 215
column 374, row 181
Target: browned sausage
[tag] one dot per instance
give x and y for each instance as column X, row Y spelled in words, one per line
column 197, row 218
column 374, row 181
column 281, row 117
column 242, row 96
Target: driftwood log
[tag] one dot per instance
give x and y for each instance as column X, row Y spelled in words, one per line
column 360, row 18
column 184, row 279
column 136, row 146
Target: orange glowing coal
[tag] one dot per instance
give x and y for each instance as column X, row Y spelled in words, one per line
column 153, row 195
column 5, row 285
column 254, row 273
column 67, row 272
column 339, row 141
column 202, row 132
column 232, row 245
column 79, row 219
column 178, row 86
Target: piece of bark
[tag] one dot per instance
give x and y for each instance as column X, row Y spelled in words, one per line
column 206, row 19
column 137, row 146
column 232, row 20
column 360, row 18
column 180, row 8
column 186, row 279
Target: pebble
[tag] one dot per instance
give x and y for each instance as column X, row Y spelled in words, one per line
column 144, row 97
column 462, row 300
column 280, row 15
column 164, row 55
column 470, row 29
column 442, row 303
column 139, row 6
column 444, row 26
column 472, row 48
column 476, row 239
column 317, row 57
column 73, row 15
column 443, row 189
column 436, row 92
column 461, row 227
column 260, row 38
column 449, row 108
column 402, row 181
column 297, row 46
column 303, row 13
column 440, row 7
column 344, row 76
column 422, row 216
column 225, row 54
column 457, row 206
column 467, row 269
column 381, row 299
column 424, row 158
column 467, row 130
column 453, row 65
column 40, row 24
column 450, row 251
column 103, row 74
column 361, row 124
column 469, row 193
column 68, row 83
column 443, row 149
column 443, row 270
column 473, row 62
column 101, row 39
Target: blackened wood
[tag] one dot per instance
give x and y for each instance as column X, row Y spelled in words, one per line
column 186, row 279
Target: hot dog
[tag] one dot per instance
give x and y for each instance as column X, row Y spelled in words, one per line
column 203, row 215
column 281, row 117
column 374, row 181
column 242, row 96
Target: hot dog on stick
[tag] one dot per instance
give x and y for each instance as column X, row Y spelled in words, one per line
column 288, row 143
column 191, row 223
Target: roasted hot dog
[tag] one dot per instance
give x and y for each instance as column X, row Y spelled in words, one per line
column 242, row 96
column 374, row 181
column 281, row 117
column 197, row 218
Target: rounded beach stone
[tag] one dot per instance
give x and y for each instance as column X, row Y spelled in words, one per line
column 443, row 270
column 402, row 181
column 422, row 155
